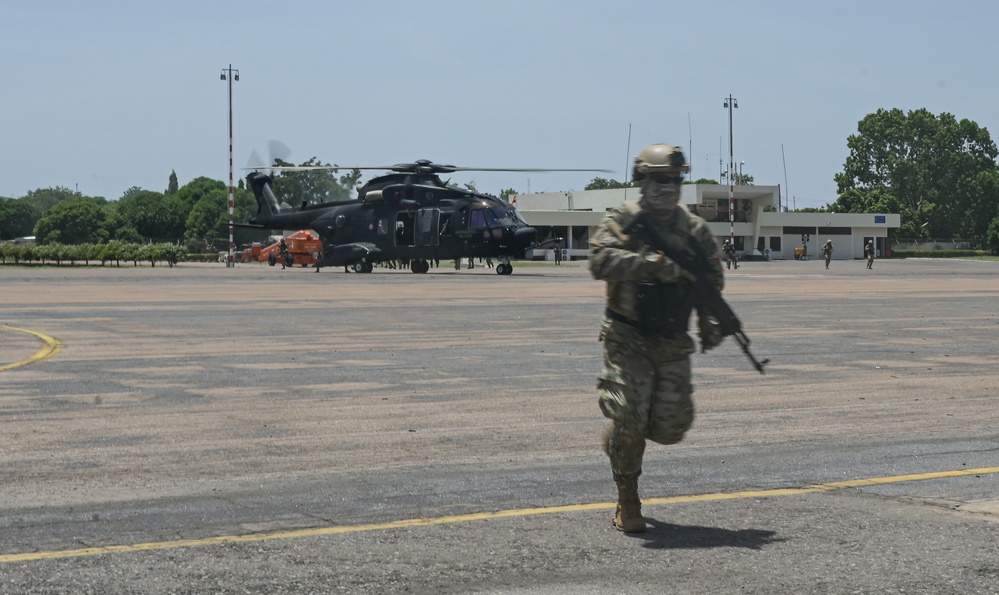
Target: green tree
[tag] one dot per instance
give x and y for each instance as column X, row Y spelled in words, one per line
column 77, row 221
column 209, row 218
column 45, row 198
column 198, row 188
column 155, row 216
column 17, row 218
column 992, row 236
column 703, row 181
column 875, row 200
column 313, row 185
column 172, row 184
column 941, row 172
column 507, row 194
column 605, row 184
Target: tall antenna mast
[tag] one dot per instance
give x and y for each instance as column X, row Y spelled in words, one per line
column 627, row 163
column 787, row 193
column 690, row 147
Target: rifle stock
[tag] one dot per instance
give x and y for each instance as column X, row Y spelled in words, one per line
column 696, row 263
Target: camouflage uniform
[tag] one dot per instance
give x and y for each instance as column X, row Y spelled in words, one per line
column 645, row 387
column 283, row 248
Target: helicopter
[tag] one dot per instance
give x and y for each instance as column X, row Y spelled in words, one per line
column 408, row 215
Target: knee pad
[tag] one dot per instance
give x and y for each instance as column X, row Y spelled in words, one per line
column 671, row 429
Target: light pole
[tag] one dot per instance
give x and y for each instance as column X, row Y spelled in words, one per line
column 731, row 104
column 233, row 75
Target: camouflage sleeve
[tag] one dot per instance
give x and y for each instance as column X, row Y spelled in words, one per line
column 613, row 255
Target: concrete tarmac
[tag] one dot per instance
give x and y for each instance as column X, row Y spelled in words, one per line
column 201, row 429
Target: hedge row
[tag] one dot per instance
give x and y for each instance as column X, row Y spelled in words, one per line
column 938, row 253
column 113, row 252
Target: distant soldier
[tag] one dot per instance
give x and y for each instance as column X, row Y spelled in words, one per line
column 558, row 254
column 869, row 252
column 728, row 250
column 284, row 252
column 827, row 250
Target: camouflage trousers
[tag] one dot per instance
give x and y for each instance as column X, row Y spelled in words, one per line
column 645, row 390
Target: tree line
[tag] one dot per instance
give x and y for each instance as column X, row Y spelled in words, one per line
column 114, row 252
column 195, row 215
column 939, row 173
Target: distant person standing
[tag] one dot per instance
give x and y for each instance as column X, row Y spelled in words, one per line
column 827, row 250
column 869, row 251
column 728, row 251
column 558, row 254
column 284, row 253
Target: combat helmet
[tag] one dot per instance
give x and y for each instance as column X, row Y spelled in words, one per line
column 659, row 159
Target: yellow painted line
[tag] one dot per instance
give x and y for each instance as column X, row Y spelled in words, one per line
column 482, row 516
column 52, row 347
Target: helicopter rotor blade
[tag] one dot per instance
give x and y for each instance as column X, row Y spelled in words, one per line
column 436, row 169
column 276, row 150
column 532, row 169
column 425, row 166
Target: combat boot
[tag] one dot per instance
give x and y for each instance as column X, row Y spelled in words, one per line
column 628, row 516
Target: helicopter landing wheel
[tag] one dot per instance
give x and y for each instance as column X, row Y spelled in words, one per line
column 363, row 267
column 504, row 269
column 419, row 265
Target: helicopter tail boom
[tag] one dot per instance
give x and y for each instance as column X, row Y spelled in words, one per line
column 267, row 203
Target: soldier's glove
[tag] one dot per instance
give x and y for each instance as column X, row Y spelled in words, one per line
column 711, row 335
column 664, row 269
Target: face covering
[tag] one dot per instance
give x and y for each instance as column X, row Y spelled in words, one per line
column 660, row 198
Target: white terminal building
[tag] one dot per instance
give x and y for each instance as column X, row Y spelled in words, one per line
column 761, row 227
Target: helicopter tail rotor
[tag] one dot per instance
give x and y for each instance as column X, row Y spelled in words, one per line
column 277, row 153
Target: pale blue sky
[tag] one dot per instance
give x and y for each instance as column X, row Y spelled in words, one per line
column 105, row 95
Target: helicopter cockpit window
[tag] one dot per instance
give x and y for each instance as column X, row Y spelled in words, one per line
column 516, row 216
column 478, row 219
column 383, row 227
column 496, row 217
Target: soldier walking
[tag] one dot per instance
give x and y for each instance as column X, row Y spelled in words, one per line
column 645, row 388
column 728, row 251
column 827, row 250
column 284, row 252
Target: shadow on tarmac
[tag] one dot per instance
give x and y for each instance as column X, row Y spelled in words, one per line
column 675, row 537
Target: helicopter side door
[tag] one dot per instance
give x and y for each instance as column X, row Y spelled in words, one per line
column 427, row 227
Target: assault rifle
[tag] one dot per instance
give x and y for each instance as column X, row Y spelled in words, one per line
column 696, row 262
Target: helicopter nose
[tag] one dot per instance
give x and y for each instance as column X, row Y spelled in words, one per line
column 525, row 236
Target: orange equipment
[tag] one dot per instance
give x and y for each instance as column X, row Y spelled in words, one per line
column 303, row 249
